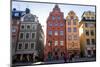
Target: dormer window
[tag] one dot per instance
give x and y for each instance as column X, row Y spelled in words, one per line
column 53, row 17
column 29, row 18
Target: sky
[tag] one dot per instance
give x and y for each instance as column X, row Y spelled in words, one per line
column 42, row 10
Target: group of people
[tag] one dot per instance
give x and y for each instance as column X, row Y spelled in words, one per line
column 68, row 58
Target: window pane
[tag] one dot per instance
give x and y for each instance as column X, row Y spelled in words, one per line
column 56, row 24
column 56, row 43
column 88, row 41
column 20, row 45
column 32, row 45
column 75, row 29
column 13, row 30
column 58, row 17
column 69, row 29
column 28, row 26
column 75, row 37
column 53, row 17
column 56, row 32
column 26, row 45
column 21, row 35
column 93, row 41
column 74, row 23
column 49, row 42
column 33, row 35
column 61, row 24
column 70, row 37
column 86, row 25
column 33, row 27
column 61, row 32
column 87, row 32
column 50, row 32
column 61, row 42
column 22, row 27
column 50, row 24
column 92, row 32
column 27, row 35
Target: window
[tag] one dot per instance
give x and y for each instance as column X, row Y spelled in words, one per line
column 61, row 42
column 19, row 45
column 50, row 24
column 70, row 37
column 49, row 42
column 86, row 25
column 26, row 45
column 32, row 45
column 61, row 32
column 87, row 32
column 89, row 52
column 88, row 41
column 33, row 27
column 92, row 32
column 74, row 22
column 50, row 32
column 69, row 29
column 69, row 23
column 75, row 37
column 28, row 27
column 22, row 26
column 33, row 35
column 87, row 18
column 21, row 35
column 56, row 33
column 27, row 35
column 13, row 30
column 56, row 24
column 75, row 29
column 56, row 43
column 61, row 24
column 93, row 18
column 53, row 17
column 93, row 41
column 58, row 17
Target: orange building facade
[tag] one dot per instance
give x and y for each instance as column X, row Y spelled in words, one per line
column 72, row 34
column 55, row 47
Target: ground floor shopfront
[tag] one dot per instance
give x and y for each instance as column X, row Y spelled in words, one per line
column 24, row 58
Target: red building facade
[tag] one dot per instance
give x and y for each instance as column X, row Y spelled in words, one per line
column 55, row 47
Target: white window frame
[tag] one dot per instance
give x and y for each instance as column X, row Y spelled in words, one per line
column 21, row 27
column 34, row 36
column 28, row 45
column 56, row 43
column 18, row 46
column 62, row 42
column 34, row 45
column 25, row 36
column 19, row 35
column 33, row 26
column 56, row 33
column 29, row 25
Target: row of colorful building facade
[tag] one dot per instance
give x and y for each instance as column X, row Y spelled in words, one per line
column 64, row 36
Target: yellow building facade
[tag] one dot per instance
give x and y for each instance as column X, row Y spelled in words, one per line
column 87, row 29
column 72, row 34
